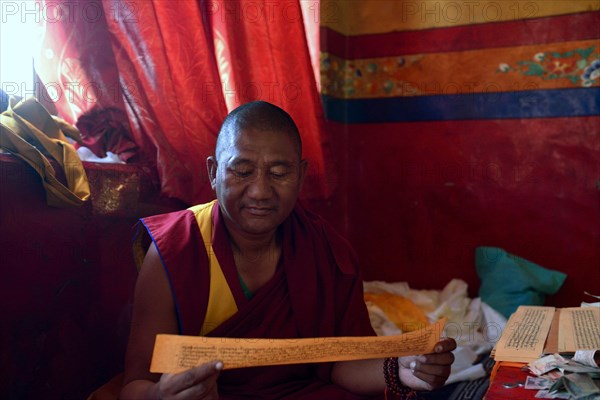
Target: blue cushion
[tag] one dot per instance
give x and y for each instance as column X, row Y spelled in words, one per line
column 508, row 281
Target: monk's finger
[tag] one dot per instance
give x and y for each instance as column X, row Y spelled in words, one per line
column 409, row 361
column 442, row 370
column 433, row 374
column 203, row 390
column 179, row 382
column 445, row 345
column 436, row 359
column 434, row 380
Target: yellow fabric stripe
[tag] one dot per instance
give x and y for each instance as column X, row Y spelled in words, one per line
column 221, row 304
column 381, row 16
column 506, row 69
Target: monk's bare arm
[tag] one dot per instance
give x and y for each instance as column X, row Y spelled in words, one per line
column 153, row 312
column 362, row 376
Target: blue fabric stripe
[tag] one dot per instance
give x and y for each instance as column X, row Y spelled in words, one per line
column 576, row 102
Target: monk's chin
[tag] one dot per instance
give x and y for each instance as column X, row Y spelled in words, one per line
column 260, row 225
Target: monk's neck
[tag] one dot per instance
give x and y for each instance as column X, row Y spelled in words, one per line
column 256, row 260
column 254, row 245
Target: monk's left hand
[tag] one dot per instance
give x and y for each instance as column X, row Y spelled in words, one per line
column 429, row 371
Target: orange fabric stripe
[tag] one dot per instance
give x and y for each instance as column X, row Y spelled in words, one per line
column 510, row 69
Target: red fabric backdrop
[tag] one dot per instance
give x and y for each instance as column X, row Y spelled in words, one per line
column 445, row 172
column 176, row 68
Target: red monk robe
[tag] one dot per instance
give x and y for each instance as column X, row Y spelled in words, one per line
column 316, row 291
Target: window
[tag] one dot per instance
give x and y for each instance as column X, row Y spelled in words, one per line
column 19, row 41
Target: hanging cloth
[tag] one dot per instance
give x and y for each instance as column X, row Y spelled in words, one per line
column 28, row 131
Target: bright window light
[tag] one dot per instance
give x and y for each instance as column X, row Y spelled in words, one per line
column 19, row 41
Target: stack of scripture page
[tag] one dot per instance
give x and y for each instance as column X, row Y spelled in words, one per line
column 559, row 347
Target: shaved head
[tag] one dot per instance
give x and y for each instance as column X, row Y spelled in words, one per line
column 257, row 170
column 260, row 116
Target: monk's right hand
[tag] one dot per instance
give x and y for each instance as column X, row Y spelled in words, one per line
column 196, row 383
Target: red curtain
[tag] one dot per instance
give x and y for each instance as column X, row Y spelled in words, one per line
column 176, row 68
column 262, row 53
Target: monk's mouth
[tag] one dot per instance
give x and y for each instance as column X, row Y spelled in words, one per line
column 259, row 211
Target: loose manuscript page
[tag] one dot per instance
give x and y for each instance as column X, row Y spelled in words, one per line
column 175, row 353
column 525, row 334
column 579, row 329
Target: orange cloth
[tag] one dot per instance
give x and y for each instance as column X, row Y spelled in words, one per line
column 400, row 310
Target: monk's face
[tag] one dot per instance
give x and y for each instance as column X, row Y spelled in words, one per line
column 258, row 177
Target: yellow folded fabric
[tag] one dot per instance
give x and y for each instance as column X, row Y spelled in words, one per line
column 28, row 131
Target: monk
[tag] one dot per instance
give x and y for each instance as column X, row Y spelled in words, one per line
column 254, row 263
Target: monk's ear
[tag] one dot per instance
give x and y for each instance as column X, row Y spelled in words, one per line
column 303, row 168
column 211, row 166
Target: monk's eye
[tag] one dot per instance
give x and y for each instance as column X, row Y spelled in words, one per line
column 241, row 171
column 279, row 172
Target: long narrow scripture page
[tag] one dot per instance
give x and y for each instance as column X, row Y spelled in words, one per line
column 174, row 353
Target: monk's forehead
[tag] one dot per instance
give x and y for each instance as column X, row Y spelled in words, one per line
column 231, row 137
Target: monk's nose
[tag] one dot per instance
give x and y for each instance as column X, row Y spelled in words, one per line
column 260, row 188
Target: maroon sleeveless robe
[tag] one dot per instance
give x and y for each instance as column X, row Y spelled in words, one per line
column 316, row 292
